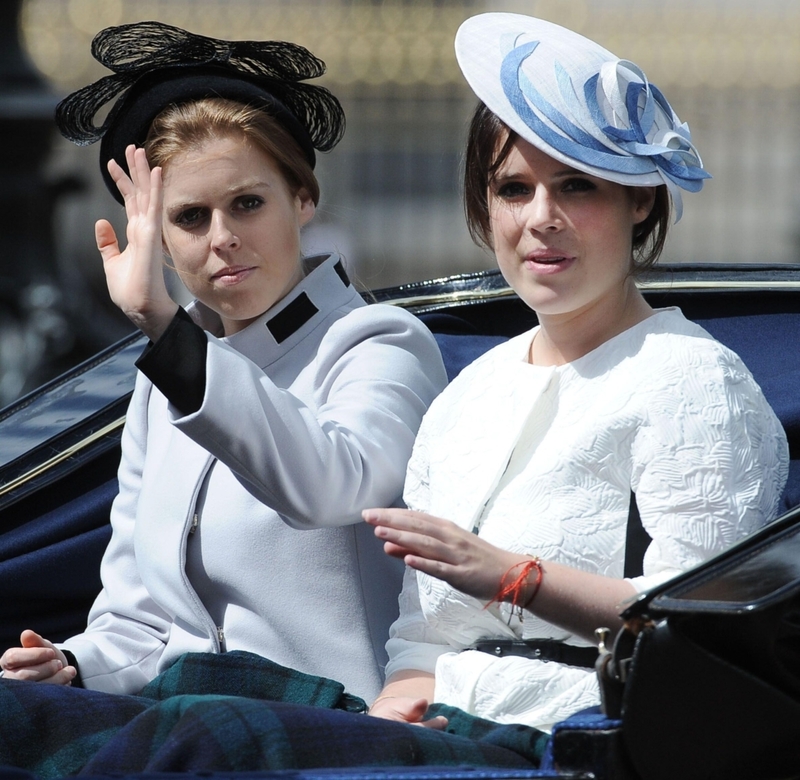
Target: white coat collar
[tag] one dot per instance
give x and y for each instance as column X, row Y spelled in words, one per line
column 325, row 289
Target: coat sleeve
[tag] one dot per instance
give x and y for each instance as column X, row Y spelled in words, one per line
column 320, row 459
column 127, row 631
column 710, row 464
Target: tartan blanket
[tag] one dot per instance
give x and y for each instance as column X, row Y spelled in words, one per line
column 235, row 712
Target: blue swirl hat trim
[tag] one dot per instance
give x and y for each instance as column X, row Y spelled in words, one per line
column 578, row 102
column 637, row 155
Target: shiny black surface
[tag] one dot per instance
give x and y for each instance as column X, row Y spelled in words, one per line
column 69, row 400
column 480, row 286
column 66, row 423
column 750, row 581
column 757, row 571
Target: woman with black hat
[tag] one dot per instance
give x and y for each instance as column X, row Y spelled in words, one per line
column 532, row 466
column 276, row 403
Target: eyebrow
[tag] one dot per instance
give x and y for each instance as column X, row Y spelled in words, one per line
column 564, row 173
column 250, row 185
column 232, row 192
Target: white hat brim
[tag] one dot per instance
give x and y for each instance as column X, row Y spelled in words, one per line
column 481, row 45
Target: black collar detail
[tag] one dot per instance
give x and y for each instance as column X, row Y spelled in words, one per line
column 291, row 318
column 339, row 268
column 297, row 313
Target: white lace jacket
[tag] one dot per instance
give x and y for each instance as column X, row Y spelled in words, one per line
column 543, row 461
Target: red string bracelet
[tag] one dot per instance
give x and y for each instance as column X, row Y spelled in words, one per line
column 515, row 589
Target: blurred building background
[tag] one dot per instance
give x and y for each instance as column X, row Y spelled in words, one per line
column 390, row 201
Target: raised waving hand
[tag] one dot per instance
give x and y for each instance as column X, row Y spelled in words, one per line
column 135, row 275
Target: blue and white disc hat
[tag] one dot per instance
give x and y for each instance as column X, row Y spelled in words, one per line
column 578, row 103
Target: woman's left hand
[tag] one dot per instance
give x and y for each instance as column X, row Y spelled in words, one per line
column 444, row 550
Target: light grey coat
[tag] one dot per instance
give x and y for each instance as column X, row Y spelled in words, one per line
column 237, row 527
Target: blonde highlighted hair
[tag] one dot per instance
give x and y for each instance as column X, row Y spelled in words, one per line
column 183, row 127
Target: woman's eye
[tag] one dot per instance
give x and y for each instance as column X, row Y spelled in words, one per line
column 579, row 185
column 512, row 189
column 250, row 202
column 189, row 217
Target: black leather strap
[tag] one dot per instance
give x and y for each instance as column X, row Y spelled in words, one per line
column 541, row 649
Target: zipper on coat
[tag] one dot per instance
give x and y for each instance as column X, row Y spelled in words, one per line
column 215, row 632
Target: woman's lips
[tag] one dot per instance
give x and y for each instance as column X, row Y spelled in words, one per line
column 232, row 275
column 548, row 262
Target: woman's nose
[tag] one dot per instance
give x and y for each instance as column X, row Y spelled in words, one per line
column 222, row 235
column 543, row 213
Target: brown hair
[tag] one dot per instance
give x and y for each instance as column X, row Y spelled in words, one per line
column 489, row 143
column 181, row 127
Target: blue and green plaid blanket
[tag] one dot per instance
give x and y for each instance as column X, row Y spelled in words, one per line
column 235, row 712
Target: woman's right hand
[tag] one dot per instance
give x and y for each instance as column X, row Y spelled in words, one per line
column 406, row 709
column 38, row 660
column 135, row 275
column 405, row 699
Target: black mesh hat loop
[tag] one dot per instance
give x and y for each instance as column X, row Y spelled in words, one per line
column 155, row 65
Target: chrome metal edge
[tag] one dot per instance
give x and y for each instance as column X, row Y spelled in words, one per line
column 61, row 456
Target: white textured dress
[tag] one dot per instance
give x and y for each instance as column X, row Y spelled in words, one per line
column 543, row 460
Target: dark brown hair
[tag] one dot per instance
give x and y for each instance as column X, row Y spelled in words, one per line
column 488, row 145
column 186, row 126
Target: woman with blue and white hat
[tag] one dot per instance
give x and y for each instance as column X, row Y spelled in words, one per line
column 541, row 454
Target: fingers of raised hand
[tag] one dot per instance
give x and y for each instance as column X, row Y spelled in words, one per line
column 121, row 179
column 140, row 187
column 139, row 172
column 148, row 184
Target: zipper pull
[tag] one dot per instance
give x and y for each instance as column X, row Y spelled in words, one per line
column 221, row 639
column 195, row 523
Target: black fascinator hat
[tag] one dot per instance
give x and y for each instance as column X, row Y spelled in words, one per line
column 156, row 65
